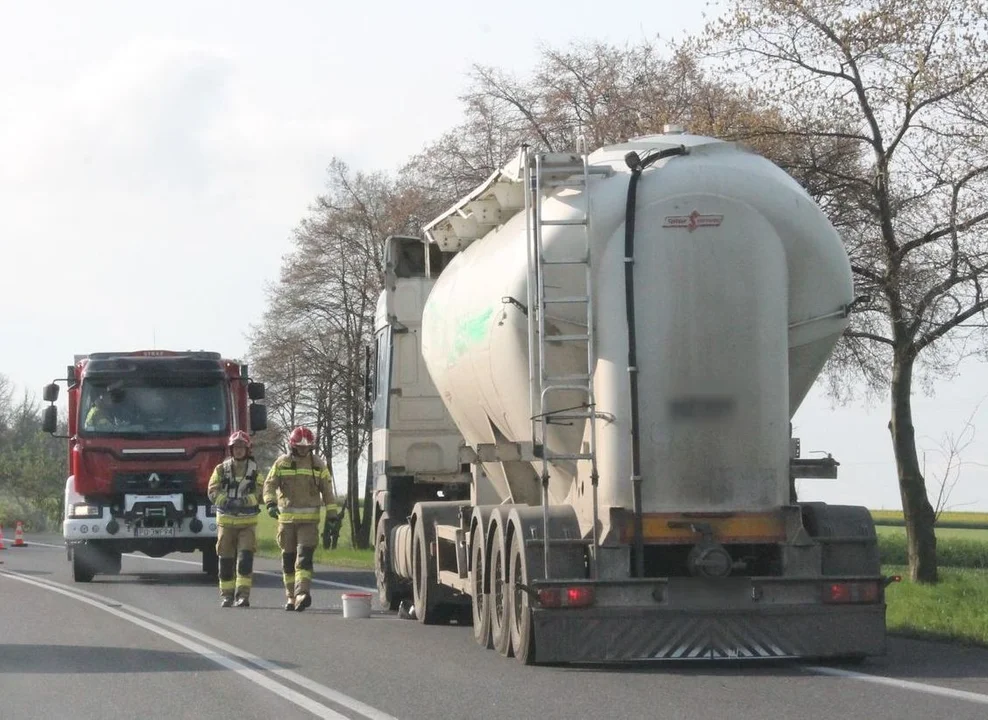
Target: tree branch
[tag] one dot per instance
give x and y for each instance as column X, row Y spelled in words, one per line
column 940, row 331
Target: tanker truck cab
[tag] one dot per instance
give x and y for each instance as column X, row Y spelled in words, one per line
column 145, row 430
column 416, row 448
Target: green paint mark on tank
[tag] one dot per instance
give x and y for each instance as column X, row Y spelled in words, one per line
column 469, row 332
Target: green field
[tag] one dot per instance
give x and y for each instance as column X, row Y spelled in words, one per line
column 954, row 609
column 344, row 556
column 952, row 517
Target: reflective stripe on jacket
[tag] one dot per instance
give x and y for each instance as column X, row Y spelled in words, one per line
column 236, row 499
column 300, row 487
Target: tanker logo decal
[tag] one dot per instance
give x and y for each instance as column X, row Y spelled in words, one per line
column 470, row 332
column 692, row 221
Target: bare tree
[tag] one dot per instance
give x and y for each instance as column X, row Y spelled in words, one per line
column 950, row 449
column 321, row 317
column 905, row 84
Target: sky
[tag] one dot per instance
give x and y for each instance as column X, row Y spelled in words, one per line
column 155, row 157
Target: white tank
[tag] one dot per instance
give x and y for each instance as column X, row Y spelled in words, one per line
column 740, row 289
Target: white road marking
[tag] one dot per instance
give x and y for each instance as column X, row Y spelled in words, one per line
column 311, row 685
column 330, row 694
column 258, row 678
column 314, row 581
column 974, row 697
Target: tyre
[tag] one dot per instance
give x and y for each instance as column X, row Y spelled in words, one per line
column 112, row 562
column 424, row 588
column 520, row 617
column 480, row 601
column 82, row 565
column 388, row 594
column 210, row 561
column 500, row 596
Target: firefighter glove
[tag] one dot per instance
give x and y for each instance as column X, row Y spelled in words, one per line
column 273, row 510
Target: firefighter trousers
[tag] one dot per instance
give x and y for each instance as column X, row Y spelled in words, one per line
column 297, row 541
column 235, row 546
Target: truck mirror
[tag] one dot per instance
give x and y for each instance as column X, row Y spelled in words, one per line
column 50, row 392
column 49, row 419
column 70, row 375
column 258, row 417
column 255, row 390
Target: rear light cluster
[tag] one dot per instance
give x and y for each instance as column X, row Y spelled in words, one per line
column 573, row 596
column 852, row 592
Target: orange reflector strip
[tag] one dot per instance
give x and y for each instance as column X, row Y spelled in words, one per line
column 739, row 527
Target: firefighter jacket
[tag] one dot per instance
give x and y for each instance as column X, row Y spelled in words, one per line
column 235, row 490
column 300, row 487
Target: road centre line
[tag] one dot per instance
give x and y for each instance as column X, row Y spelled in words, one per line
column 158, row 626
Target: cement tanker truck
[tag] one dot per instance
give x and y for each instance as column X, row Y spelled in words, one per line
column 620, row 339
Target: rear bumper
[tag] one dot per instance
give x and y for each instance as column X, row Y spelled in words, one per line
column 784, row 631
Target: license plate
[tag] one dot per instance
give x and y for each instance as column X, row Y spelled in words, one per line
column 155, row 532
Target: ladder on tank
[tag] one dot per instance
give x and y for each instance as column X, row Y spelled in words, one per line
column 544, row 174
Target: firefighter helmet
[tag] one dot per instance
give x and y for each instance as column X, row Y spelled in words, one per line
column 239, row 436
column 301, row 437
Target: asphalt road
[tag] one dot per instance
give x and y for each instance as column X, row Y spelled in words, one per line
column 153, row 642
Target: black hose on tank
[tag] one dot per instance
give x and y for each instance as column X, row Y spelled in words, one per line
column 637, row 165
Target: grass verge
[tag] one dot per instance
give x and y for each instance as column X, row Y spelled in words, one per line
column 955, row 609
column 344, row 556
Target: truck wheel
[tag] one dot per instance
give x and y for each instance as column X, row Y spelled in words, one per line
column 424, row 587
column 82, row 569
column 387, row 591
column 112, row 562
column 500, row 596
column 480, row 601
column 520, row 617
column 210, row 561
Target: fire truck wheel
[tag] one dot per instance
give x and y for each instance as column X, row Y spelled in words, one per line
column 82, row 568
column 210, row 561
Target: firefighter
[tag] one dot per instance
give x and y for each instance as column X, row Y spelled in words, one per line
column 298, row 484
column 234, row 489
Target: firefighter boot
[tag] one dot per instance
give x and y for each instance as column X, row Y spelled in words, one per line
column 303, row 577
column 288, row 575
column 227, row 581
column 245, row 570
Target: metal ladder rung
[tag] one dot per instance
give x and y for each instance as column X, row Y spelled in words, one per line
column 567, row 338
column 565, row 262
column 552, row 379
column 567, row 299
column 555, row 417
column 565, row 223
column 565, row 387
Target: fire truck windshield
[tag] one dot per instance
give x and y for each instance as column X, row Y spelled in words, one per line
column 147, row 407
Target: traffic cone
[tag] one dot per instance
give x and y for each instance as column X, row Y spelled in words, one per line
column 2, row 546
column 19, row 535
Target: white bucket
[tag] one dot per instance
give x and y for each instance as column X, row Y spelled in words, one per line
column 356, row 605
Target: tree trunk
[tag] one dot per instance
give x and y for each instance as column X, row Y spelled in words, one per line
column 353, row 495
column 917, row 511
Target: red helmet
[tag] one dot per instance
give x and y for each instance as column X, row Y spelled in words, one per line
column 239, row 436
column 301, row 437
